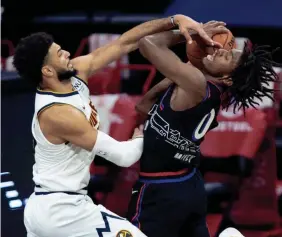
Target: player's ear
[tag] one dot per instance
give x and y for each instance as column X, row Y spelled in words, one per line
column 226, row 80
column 47, row 71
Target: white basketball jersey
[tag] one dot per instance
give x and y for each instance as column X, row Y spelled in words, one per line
column 63, row 167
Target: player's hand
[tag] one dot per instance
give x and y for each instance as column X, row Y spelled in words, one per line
column 138, row 132
column 215, row 27
column 185, row 24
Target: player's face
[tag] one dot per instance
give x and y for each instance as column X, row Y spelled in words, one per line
column 59, row 63
column 222, row 62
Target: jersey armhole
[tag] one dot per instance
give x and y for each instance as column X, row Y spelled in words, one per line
column 56, row 103
column 208, row 92
column 48, row 106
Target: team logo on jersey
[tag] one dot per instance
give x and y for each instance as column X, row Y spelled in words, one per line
column 124, row 233
column 171, row 136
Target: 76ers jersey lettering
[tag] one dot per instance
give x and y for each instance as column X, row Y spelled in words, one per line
column 172, row 138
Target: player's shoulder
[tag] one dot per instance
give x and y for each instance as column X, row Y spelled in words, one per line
column 59, row 115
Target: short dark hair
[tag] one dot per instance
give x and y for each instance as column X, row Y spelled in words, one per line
column 251, row 77
column 30, row 55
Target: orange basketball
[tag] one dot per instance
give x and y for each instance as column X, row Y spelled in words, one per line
column 198, row 49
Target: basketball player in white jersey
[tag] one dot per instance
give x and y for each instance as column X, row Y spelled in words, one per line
column 65, row 129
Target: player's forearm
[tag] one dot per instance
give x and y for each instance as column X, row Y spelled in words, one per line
column 167, row 38
column 123, row 154
column 126, row 43
column 148, row 28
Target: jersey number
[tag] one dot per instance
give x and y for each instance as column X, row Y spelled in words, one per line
column 204, row 125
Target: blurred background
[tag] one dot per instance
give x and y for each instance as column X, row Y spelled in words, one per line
column 242, row 157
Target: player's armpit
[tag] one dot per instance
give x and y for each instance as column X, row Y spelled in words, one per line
column 169, row 64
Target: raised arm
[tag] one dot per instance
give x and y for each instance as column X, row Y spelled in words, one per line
column 127, row 42
column 147, row 101
column 65, row 123
column 156, row 49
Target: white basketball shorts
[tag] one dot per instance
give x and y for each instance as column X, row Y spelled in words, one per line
column 64, row 215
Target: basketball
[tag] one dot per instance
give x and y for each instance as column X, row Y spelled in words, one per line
column 198, row 49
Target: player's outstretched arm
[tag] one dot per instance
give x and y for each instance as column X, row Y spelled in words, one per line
column 145, row 104
column 127, row 42
column 67, row 124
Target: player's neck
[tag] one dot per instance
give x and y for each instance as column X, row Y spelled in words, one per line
column 215, row 80
column 64, row 86
column 211, row 78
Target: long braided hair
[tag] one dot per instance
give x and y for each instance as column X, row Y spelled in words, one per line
column 251, row 78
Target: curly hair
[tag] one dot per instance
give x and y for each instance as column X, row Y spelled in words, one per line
column 30, row 55
column 251, row 77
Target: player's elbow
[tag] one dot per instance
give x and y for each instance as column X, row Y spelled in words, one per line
column 153, row 40
column 144, row 106
column 146, row 44
column 146, row 41
column 139, row 108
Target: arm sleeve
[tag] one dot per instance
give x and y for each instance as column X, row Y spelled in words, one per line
column 123, row 154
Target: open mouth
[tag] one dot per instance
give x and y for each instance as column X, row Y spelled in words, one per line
column 211, row 57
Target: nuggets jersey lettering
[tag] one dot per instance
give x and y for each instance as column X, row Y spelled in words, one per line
column 63, row 167
column 170, row 137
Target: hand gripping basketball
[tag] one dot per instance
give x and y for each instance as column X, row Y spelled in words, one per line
column 186, row 23
column 215, row 27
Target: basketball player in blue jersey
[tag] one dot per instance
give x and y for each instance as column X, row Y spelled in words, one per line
column 65, row 128
column 169, row 197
